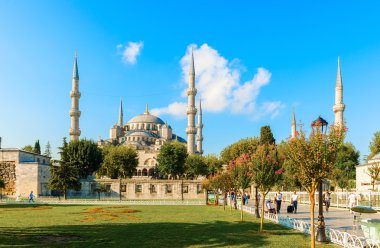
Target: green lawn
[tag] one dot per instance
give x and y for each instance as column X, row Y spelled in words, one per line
column 137, row 226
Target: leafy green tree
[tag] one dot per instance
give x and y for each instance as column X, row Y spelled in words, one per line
column 266, row 136
column 27, row 148
column 374, row 146
column 119, row 161
column 221, row 181
column 64, row 177
column 241, row 175
column 288, row 182
column 37, row 147
column 374, row 173
column 47, row 151
column 235, row 150
column 85, row 155
column 171, row 159
column 100, row 187
column 345, row 166
column 195, row 166
column 267, row 172
column 314, row 157
column 214, row 164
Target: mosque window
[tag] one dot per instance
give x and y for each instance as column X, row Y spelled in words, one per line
column 144, row 172
column 199, row 188
column 123, row 188
column 38, row 160
column 168, row 188
column 138, row 188
column 185, row 189
column 153, row 188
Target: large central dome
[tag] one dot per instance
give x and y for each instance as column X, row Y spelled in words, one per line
column 146, row 118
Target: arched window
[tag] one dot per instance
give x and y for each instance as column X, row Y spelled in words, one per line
column 144, row 172
column 151, row 172
column 139, row 173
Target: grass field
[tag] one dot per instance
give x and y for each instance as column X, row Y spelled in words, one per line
column 138, row 226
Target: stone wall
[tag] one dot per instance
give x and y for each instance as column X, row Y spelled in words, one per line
column 8, row 175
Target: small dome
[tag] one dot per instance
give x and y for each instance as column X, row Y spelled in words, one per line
column 141, row 133
column 146, row 118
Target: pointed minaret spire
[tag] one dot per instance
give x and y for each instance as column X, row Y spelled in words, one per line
column 191, row 110
column 146, row 110
column 120, row 122
column 200, row 127
column 294, row 130
column 75, row 68
column 75, row 95
column 339, row 105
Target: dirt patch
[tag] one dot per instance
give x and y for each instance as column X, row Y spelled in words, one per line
column 117, row 207
column 95, row 210
column 89, row 218
column 111, row 217
column 126, row 211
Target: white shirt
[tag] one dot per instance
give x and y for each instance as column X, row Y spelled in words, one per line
column 294, row 197
column 279, row 197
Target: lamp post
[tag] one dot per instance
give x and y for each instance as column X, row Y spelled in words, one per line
column 321, row 230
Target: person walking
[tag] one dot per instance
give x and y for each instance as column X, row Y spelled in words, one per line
column 351, row 201
column 278, row 199
column 326, row 200
column 31, row 197
column 295, row 201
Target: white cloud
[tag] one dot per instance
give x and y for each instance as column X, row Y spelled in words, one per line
column 131, row 51
column 219, row 84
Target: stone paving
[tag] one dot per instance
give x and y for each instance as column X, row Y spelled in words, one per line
column 336, row 218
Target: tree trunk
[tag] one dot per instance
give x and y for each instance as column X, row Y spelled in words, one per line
column 262, row 211
column 257, row 203
column 241, row 208
column 230, row 202
column 224, row 202
column 65, row 194
column 312, row 232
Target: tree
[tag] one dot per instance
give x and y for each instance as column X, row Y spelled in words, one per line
column 243, row 146
column 241, row 175
column 2, row 186
column 374, row 146
column 27, row 148
column 266, row 136
column 195, row 166
column 171, row 159
column 47, row 150
column 65, row 176
column 314, row 157
column 345, row 166
column 119, row 161
column 213, row 163
column 37, row 147
column 266, row 172
column 374, row 173
column 85, row 155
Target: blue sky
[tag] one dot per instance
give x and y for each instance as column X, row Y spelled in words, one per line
column 255, row 60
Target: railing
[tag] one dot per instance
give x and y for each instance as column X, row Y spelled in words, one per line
column 338, row 199
column 343, row 239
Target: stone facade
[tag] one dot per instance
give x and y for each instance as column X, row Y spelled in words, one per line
column 363, row 180
column 24, row 171
column 143, row 189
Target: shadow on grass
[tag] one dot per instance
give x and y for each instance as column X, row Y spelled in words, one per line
column 211, row 234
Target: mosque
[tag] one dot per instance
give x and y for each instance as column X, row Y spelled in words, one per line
column 146, row 132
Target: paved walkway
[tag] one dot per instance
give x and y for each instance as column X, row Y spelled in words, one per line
column 337, row 218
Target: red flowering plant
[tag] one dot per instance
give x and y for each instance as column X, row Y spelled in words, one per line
column 313, row 160
column 267, row 172
column 241, row 175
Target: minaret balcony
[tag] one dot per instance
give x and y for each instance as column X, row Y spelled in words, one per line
column 339, row 107
column 74, row 112
column 75, row 94
column 200, row 126
column 191, row 130
column 199, row 138
column 191, row 110
column 74, row 132
column 191, row 91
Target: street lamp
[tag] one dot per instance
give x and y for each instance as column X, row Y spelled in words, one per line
column 321, row 231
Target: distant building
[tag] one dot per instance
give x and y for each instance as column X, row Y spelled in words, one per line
column 23, row 172
column 363, row 180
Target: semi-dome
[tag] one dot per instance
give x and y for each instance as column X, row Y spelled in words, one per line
column 146, row 118
column 141, row 133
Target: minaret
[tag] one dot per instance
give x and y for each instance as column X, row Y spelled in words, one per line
column 294, row 130
column 75, row 95
column 200, row 127
column 191, row 110
column 339, row 105
column 120, row 122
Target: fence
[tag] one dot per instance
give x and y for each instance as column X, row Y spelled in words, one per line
column 343, row 239
column 338, row 199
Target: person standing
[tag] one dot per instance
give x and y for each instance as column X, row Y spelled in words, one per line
column 31, row 197
column 351, row 201
column 326, row 199
column 278, row 201
column 295, row 201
